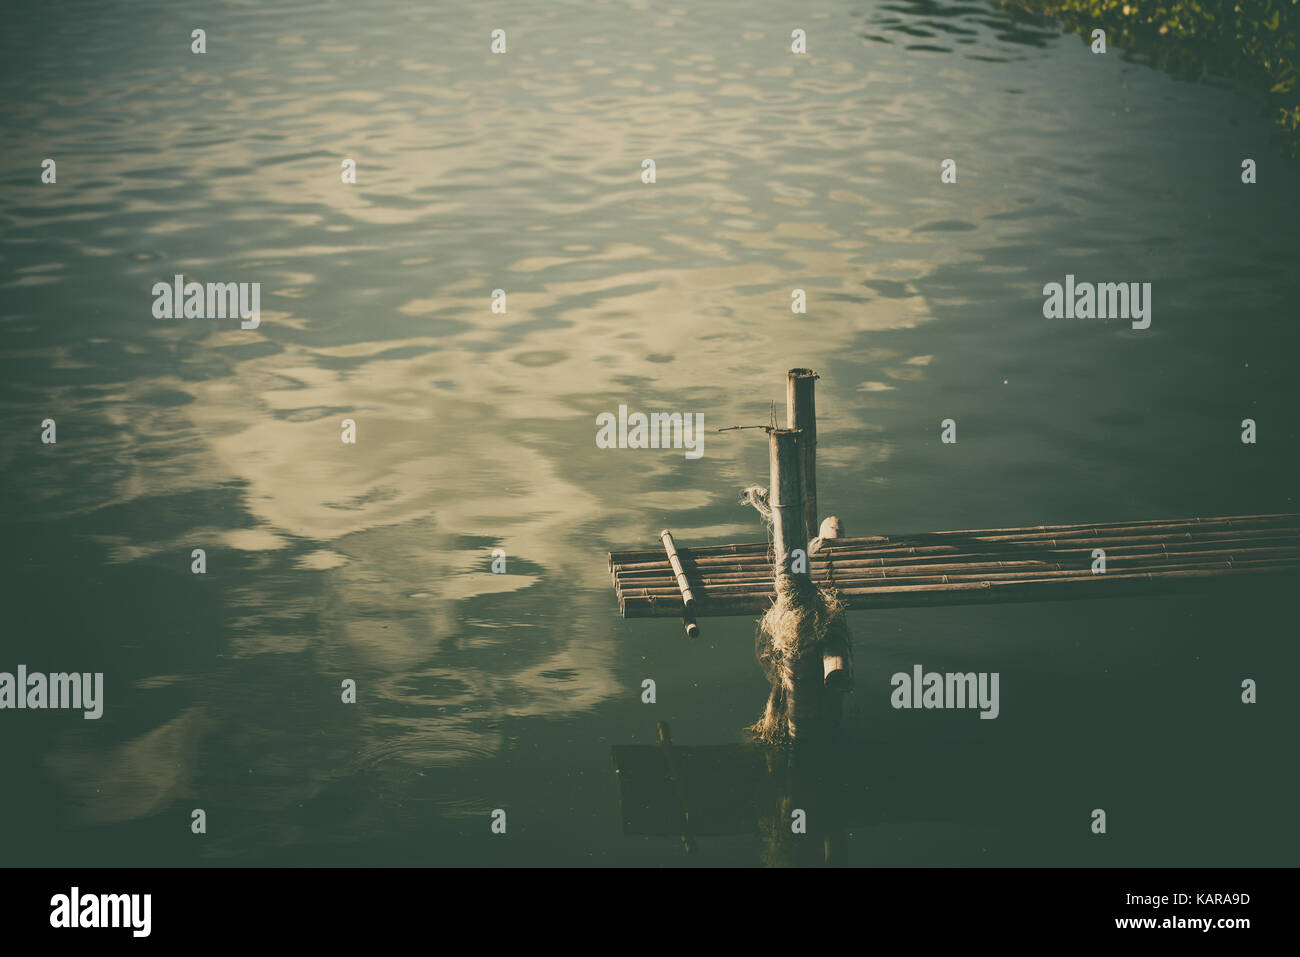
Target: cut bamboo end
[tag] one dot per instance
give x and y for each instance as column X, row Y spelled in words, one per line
column 835, row 669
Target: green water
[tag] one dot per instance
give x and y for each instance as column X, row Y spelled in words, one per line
column 371, row 562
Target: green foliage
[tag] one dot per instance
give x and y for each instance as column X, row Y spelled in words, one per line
column 1249, row 40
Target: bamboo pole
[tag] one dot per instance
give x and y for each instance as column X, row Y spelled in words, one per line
column 828, row 572
column 785, row 498
column 793, row 676
column 688, row 600
column 842, row 571
column 1002, row 549
column 1120, row 538
column 837, row 671
column 875, row 582
column 1243, row 522
column 921, row 543
column 1060, row 558
column 1172, row 526
column 801, row 414
column 981, row 592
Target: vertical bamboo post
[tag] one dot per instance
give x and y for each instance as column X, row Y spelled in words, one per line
column 785, row 499
column 801, row 414
column 836, row 667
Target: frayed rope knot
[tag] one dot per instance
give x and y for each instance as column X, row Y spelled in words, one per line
column 757, row 496
column 789, row 643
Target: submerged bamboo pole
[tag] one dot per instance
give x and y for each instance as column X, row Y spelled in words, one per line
column 801, row 414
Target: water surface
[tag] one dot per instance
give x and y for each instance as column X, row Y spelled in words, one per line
column 522, row 172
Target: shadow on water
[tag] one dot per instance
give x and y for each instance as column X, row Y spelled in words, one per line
column 797, row 800
column 1132, row 706
column 808, row 804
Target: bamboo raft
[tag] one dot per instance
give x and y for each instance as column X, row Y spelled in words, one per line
column 1036, row 563
column 975, row 566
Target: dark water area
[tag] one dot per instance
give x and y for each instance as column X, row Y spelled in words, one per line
column 522, row 172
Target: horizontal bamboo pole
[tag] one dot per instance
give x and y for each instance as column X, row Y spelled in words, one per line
column 644, row 554
column 921, row 544
column 848, row 584
column 980, row 592
column 818, row 564
column 1170, row 527
column 1094, row 529
column 820, row 572
column 1082, row 540
column 875, row 569
column 999, row 550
